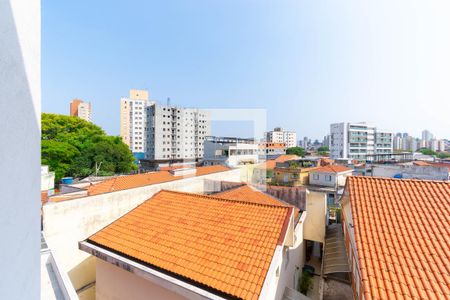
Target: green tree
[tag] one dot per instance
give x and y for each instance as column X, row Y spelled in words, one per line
column 299, row 151
column 443, row 155
column 323, row 149
column 72, row 147
column 427, row 151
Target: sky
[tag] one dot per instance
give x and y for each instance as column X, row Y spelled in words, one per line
column 307, row 63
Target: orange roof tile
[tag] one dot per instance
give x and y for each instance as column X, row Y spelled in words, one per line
column 184, row 235
column 247, row 193
column 138, row 180
column 270, row 164
column 332, row 169
column 421, row 163
column 402, row 234
column 286, row 157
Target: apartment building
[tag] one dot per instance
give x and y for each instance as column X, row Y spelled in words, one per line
column 358, row 140
column 383, row 142
column 162, row 133
column 278, row 135
column 133, row 120
column 81, row 109
column 176, row 133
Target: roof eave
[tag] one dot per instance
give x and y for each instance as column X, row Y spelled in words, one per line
column 164, row 280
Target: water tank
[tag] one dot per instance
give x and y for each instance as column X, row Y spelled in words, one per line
column 67, row 180
column 399, row 176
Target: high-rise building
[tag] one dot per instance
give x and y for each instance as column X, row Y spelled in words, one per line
column 278, row 135
column 176, row 133
column 162, row 132
column 133, row 121
column 441, row 145
column 357, row 140
column 427, row 135
column 81, row 109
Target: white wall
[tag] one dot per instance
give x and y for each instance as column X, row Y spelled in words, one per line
column 416, row 172
column 337, row 179
column 20, row 96
column 68, row 222
column 116, row 283
column 316, row 207
column 292, row 262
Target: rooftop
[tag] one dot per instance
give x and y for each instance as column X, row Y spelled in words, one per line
column 184, row 235
column 332, row 169
column 402, row 236
column 138, row 180
column 247, row 193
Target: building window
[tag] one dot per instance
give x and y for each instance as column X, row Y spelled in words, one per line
column 328, row 177
column 316, row 176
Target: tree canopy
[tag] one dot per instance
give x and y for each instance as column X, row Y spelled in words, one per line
column 323, row 149
column 71, row 146
column 427, row 151
column 299, row 151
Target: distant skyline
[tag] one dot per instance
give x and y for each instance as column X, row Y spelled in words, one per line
column 309, row 63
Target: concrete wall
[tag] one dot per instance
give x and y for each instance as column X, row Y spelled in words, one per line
column 416, row 172
column 316, row 207
column 20, row 98
column 116, row 283
column 68, row 222
column 292, row 261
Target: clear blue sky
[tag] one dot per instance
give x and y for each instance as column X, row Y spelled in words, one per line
column 309, row 63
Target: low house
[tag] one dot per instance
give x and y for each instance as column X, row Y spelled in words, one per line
column 189, row 246
column 67, row 220
column 264, row 171
column 230, row 151
column 293, row 172
column 397, row 237
column 329, row 176
column 266, row 149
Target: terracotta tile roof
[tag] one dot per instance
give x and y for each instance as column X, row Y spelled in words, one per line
column 332, row 169
column 421, row 163
column 138, row 180
column 184, row 235
column 286, row 157
column 270, row 164
column 402, row 234
column 247, row 193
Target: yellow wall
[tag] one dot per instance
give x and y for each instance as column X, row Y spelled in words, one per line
column 298, row 177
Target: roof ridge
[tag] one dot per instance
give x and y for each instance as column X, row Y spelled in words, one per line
column 221, row 199
column 398, row 179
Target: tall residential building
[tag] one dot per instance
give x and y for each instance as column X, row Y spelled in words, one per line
column 176, row 133
column 427, row 135
column 133, row 120
column 357, row 140
column 278, row 135
column 81, row 109
column 162, row 132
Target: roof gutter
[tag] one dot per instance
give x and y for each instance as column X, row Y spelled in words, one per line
column 168, row 282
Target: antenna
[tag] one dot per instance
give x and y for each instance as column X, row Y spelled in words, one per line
column 168, row 101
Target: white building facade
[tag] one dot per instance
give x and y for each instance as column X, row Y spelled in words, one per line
column 278, row 135
column 176, row 133
column 231, row 152
column 358, row 140
column 162, row 132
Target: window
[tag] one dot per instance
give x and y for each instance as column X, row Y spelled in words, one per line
column 316, row 176
column 328, row 177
